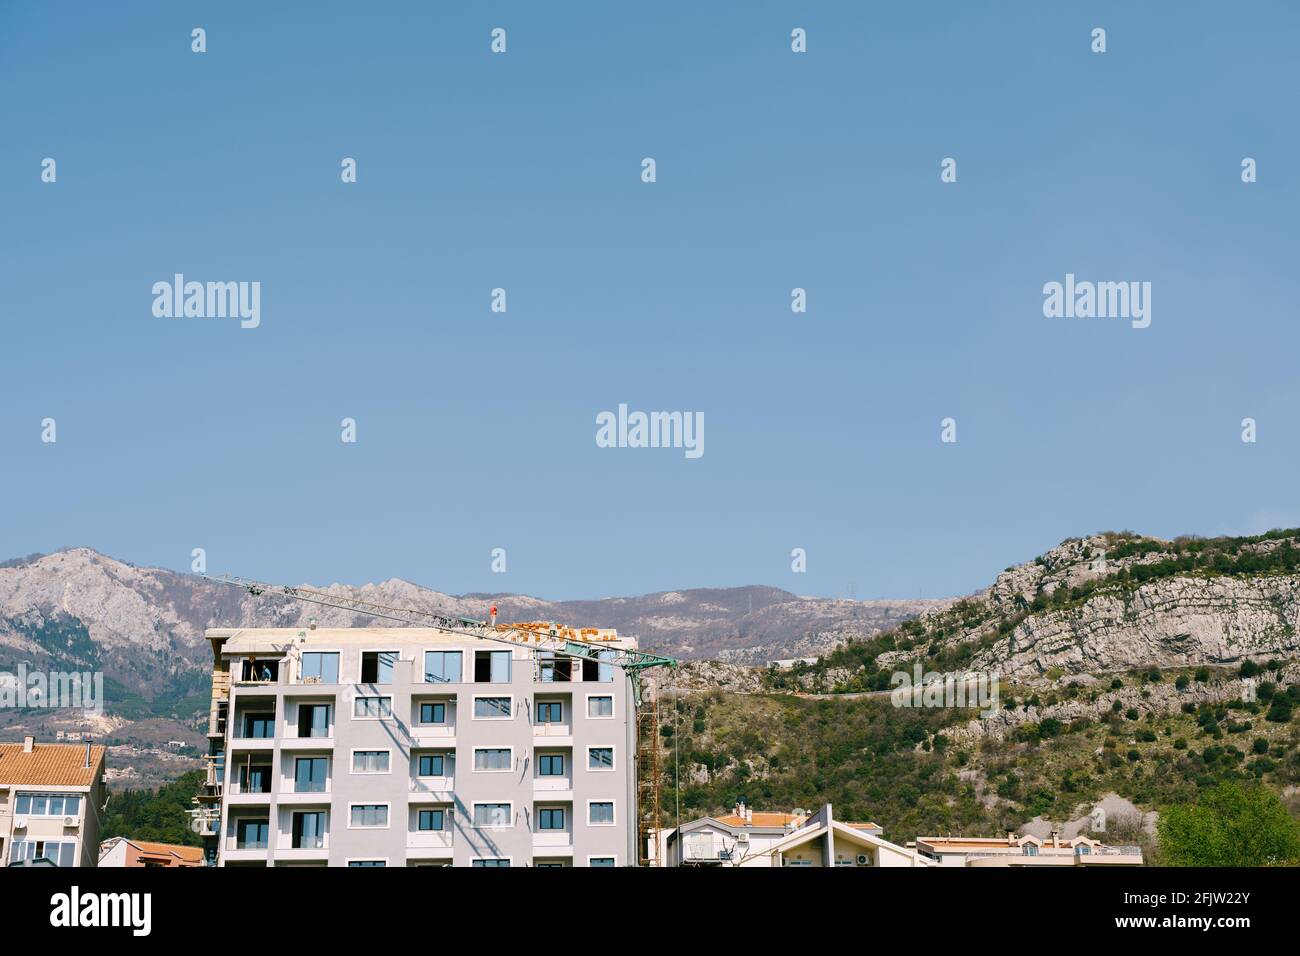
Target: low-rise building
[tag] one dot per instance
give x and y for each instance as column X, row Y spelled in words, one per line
column 52, row 798
column 120, row 851
column 1013, row 850
column 746, row 837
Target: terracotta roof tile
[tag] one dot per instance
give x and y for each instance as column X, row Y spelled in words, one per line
column 192, row 854
column 50, row 765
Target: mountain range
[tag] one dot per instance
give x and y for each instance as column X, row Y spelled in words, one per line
column 143, row 627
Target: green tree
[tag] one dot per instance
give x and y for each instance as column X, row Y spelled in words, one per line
column 1230, row 825
column 160, row 815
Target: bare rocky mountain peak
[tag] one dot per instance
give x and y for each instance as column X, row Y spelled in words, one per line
column 144, row 625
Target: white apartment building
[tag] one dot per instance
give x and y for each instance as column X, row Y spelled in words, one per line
column 371, row 747
column 51, row 801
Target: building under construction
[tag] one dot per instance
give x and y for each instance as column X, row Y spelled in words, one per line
column 466, row 744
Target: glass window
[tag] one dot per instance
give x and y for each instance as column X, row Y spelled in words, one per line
column 492, row 758
column 431, row 765
column 598, row 670
column 309, row 774
column 435, row 713
column 309, row 830
column 600, row 758
column 58, row 853
column 369, row 815
column 491, row 814
column 370, row 761
column 550, row 818
column 431, row 820
column 377, row 667
column 492, row 667
column 550, row 712
column 600, row 813
column 495, row 864
column 47, row 805
column 373, row 707
column 602, row 861
column 366, row 863
column 1030, row 850
column 550, row 765
column 254, row 779
column 320, row 667
column 491, row 706
column 259, row 725
column 442, row 667
column 552, row 668
column 313, row 720
column 252, row 834
column 600, row 706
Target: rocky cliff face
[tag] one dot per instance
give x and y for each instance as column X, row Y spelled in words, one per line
column 1176, row 622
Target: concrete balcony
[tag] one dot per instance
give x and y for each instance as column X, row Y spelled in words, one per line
column 307, row 743
column 553, row 843
column 554, row 786
column 433, row 733
column 429, row 840
column 252, row 743
column 432, row 789
column 290, row 854
column 307, row 796
column 248, row 799
column 246, row 855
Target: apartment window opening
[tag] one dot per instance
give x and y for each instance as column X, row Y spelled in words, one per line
column 320, row 667
column 492, row 667
column 377, row 667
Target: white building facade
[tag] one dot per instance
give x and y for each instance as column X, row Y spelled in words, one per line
column 377, row 747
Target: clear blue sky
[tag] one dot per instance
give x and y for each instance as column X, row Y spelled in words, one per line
column 477, row 430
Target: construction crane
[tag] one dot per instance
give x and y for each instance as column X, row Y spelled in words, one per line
column 548, row 638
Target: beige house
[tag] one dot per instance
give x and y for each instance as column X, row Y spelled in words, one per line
column 1013, row 850
column 52, row 798
column 754, row 838
column 119, row 851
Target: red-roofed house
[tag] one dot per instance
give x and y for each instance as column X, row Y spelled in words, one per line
column 51, row 803
column 120, row 851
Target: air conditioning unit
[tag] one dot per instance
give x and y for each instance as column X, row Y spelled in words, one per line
column 863, row 859
column 20, row 823
column 742, row 837
column 69, row 821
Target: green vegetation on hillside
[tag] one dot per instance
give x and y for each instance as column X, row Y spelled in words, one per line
column 871, row 761
column 1230, row 825
column 158, row 815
